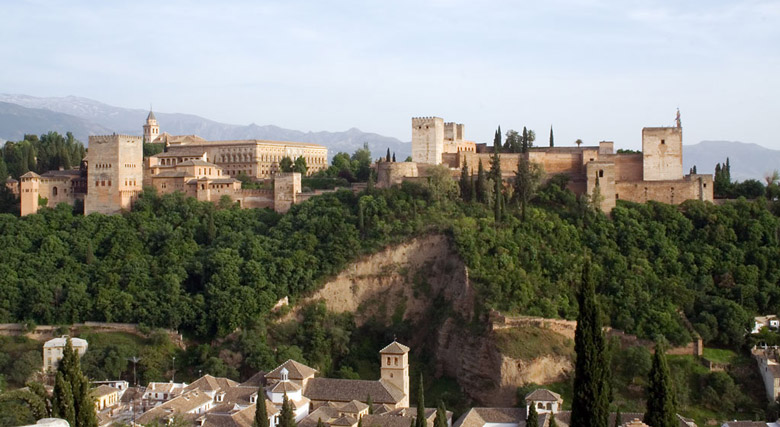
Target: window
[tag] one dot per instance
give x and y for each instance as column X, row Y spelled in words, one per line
column 601, row 173
column 663, row 142
column 54, row 191
column 396, row 361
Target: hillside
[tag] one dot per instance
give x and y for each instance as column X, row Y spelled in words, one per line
column 748, row 161
column 98, row 118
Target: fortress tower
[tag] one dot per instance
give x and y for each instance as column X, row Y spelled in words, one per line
column 151, row 129
column 114, row 173
column 29, row 188
column 395, row 368
column 662, row 153
column 428, row 139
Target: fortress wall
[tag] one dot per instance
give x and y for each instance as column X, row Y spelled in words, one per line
column 392, row 173
column 555, row 162
column 56, row 190
column 662, row 151
column 628, row 167
column 697, row 187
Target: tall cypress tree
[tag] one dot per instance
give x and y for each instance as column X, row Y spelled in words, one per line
column 465, row 183
column 370, row 403
column 553, row 423
column 552, row 140
column 590, row 403
column 287, row 417
column 661, row 402
column 72, row 400
column 481, row 184
column 525, row 140
column 388, row 154
column 421, row 422
column 618, row 418
column 441, row 416
column 261, row 413
column 532, row 420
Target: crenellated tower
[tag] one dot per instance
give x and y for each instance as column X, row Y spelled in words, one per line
column 114, row 173
column 427, row 140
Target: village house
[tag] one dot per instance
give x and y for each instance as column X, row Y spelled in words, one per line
column 53, row 348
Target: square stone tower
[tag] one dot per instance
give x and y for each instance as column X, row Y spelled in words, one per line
column 114, row 173
column 427, row 140
column 395, row 369
column 662, row 154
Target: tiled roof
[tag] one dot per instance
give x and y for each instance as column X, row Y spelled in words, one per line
column 210, row 383
column 285, row 387
column 478, row 417
column 30, row 174
column 543, row 395
column 178, row 405
column 394, row 348
column 563, row 418
column 196, row 162
column 171, row 174
column 386, row 421
column 344, row 421
column 62, row 341
column 354, row 407
column 255, row 380
column 104, row 390
column 296, row 371
column 331, row 389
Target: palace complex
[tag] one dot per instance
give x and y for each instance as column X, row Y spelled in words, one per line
column 654, row 174
column 115, row 171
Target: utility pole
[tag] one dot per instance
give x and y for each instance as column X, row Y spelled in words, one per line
column 173, row 365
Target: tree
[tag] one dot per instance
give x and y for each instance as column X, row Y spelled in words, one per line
column 661, row 401
column 261, row 413
column 578, row 142
column 421, row 422
column 465, row 183
column 394, row 157
column 287, row 417
column 481, row 187
column 300, row 166
column 441, row 416
column 525, row 140
column 590, row 399
column 320, row 423
column 532, row 420
column 387, row 157
column 495, row 174
column 72, row 399
column 552, row 140
column 527, row 179
column 370, row 403
column 3, row 171
column 286, row 164
column 618, row 418
column 513, row 141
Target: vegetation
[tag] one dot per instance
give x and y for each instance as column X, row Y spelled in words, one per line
column 592, row 394
column 529, row 343
column 661, row 401
column 72, row 398
column 50, row 151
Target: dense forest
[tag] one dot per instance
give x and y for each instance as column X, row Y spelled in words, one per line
column 208, row 269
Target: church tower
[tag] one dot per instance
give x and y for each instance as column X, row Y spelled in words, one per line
column 395, row 369
column 151, row 129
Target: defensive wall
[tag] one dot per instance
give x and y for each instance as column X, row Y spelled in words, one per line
column 47, row 332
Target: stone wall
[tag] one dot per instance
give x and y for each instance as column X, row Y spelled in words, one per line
column 115, row 173
column 286, row 189
column 662, row 153
column 427, row 139
column 693, row 187
column 392, row 173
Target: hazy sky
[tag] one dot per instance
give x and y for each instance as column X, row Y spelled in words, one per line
column 596, row 70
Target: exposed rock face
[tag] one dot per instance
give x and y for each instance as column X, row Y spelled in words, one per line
column 405, row 280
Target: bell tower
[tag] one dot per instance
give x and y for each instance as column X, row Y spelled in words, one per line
column 151, row 129
column 395, row 369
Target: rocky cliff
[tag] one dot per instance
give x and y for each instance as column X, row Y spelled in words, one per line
column 407, row 280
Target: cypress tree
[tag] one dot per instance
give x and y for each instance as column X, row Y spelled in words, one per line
column 393, row 157
column 388, row 154
column 553, row 423
column 552, row 140
column 421, row 422
column 370, row 403
column 481, row 183
column 320, row 423
column 261, row 413
column 441, row 416
column 618, row 418
column 498, row 197
column 525, row 140
column 590, row 405
column 287, row 417
column 465, row 183
column 72, row 399
column 532, row 420
column 3, row 170
column 661, row 402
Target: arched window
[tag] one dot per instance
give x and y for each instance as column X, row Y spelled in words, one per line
column 54, row 191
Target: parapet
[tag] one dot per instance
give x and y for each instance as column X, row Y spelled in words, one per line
column 102, row 139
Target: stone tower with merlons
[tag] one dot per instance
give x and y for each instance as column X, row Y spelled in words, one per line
column 395, row 369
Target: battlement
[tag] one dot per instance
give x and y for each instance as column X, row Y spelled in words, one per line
column 418, row 122
column 102, row 139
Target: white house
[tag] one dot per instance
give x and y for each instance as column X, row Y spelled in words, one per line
column 53, row 348
column 770, row 321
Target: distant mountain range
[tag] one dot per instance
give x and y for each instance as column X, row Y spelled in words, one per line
column 21, row 114
column 748, row 161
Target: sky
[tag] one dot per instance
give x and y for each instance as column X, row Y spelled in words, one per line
column 592, row 69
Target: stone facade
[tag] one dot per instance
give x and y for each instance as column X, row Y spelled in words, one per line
column 286, row 187
column 114, row 173
column 253, row 157
column 655, row 174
